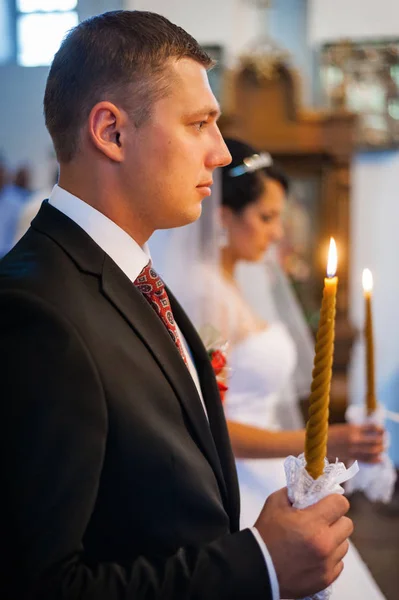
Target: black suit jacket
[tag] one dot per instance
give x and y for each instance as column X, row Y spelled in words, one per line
column 114, row 484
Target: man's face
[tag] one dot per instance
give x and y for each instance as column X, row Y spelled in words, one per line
column 170, row 159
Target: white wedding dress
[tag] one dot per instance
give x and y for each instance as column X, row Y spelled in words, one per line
column 262, row 361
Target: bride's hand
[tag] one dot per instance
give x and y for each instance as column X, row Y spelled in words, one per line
column 355, row 442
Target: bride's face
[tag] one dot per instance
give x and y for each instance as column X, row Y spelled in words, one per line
column 252, row 231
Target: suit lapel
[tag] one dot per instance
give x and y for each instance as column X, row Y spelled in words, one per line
column 150, row 329
column 214, row 409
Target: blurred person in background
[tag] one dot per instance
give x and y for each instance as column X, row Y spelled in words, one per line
column 32, row 206
column 12, row 201
column 22, row 180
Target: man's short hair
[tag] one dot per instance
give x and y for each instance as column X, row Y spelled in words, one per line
column 118, row 56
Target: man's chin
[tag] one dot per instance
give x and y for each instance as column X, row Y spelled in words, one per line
column 181, row 218
column 186, row 218
column 195, row 214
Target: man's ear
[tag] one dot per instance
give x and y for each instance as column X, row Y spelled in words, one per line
column 106, row 126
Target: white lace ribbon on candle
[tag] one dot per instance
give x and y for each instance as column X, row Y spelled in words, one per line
column 304, row 491
column 377, row 481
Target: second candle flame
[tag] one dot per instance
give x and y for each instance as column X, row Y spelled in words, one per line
column 367, row 280
column 332, row 259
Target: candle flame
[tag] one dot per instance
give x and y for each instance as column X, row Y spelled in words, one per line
column 332, row 259
column 367, row 280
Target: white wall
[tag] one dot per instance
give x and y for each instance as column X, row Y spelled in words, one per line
column 288, row 26
column 353, row 19
column 235, row 23
column 375, row 207
column 231, row 23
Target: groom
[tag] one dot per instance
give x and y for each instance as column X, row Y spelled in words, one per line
column 117, row 475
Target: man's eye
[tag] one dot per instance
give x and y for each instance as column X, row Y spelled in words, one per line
column 200, row 125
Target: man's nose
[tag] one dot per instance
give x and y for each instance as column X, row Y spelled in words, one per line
column 221, row 156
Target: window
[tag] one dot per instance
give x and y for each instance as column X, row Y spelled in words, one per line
column 6, row 36
column 40, row 28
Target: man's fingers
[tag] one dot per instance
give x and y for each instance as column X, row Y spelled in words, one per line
column 339, row 554
column 337, row 571
column 336, row 565
column 342, row 530
column 280, row 498
column 331, row 508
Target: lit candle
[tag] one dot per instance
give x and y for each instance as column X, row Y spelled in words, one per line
column 317, row 425
column 371, row 401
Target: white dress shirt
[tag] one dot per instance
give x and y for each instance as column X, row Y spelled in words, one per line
column 131, row 259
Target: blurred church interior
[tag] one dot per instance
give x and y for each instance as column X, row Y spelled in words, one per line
column 314, row 83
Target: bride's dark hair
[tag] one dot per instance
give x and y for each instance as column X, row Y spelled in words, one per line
column 238, row 192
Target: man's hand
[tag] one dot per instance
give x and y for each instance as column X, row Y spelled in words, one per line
column 306, row 546
column 355, row 442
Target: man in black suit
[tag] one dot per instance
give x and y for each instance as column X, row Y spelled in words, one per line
column 117, row 474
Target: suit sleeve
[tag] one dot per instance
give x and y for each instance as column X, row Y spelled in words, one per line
column 54, row 432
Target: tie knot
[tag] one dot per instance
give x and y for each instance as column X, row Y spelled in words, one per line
column 149, row 282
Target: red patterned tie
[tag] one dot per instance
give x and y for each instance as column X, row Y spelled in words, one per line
column 153, row 289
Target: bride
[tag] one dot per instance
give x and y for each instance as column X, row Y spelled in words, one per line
column 270, row 351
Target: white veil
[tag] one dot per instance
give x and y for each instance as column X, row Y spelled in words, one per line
column 191, row 254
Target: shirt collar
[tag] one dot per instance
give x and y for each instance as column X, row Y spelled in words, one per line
column 124, row 251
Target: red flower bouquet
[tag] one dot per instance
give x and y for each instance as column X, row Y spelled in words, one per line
column 216, row 349
column 218, row 362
